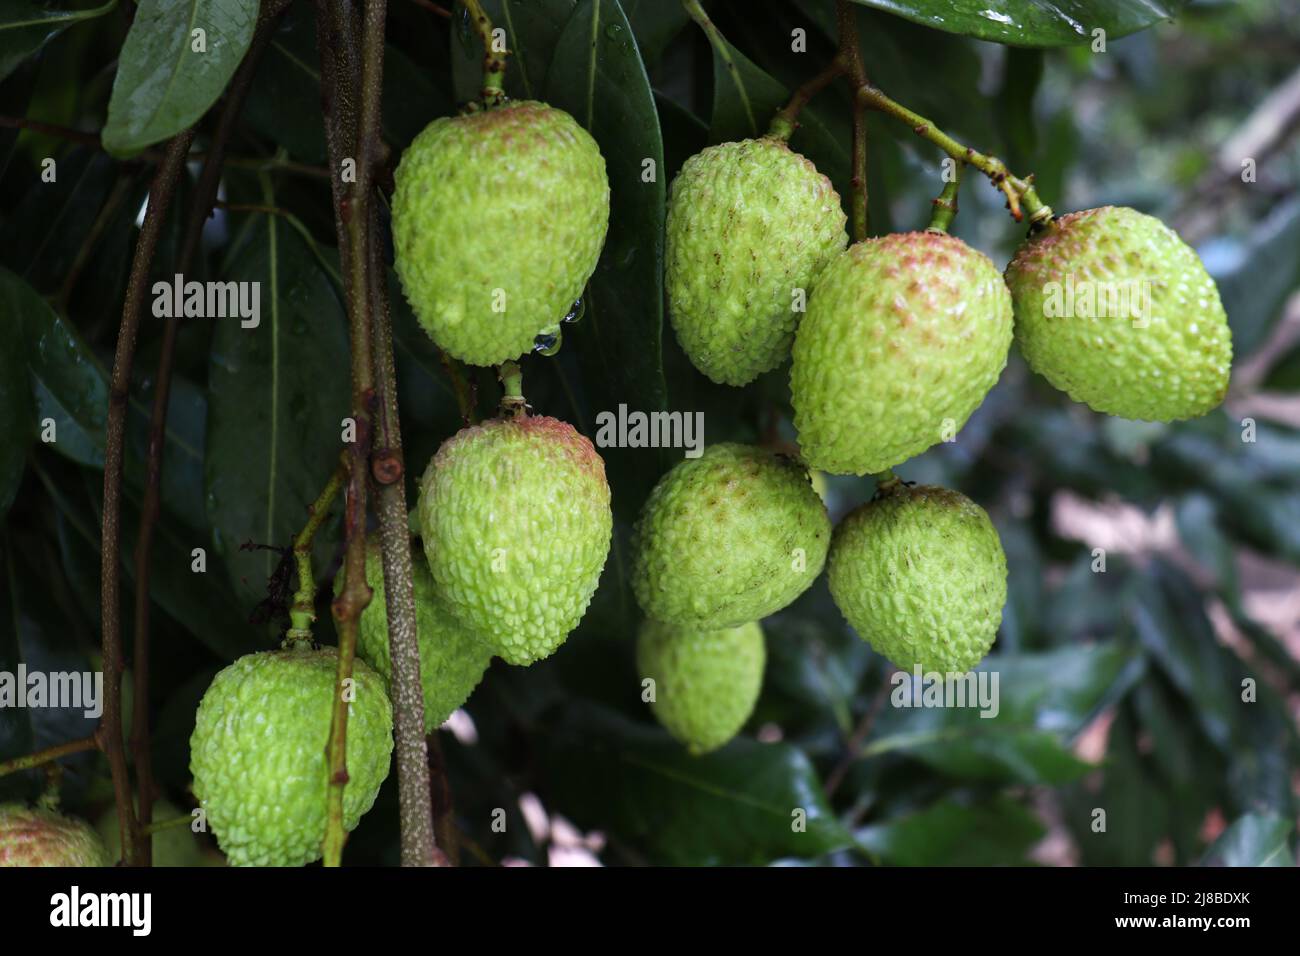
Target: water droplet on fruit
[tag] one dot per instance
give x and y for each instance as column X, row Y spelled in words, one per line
column 548, row 341
column 576, row 312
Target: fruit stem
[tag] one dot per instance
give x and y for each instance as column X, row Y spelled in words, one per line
column 49, row 754
column 1019, row 192
column 887, row 482
column 512, row 384
column 786, row 119
column 945, row 206
column 494, row 59
column 303, row 611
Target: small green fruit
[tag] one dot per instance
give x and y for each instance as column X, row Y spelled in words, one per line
column 750, row 224
column 173, row 846
column 727, row 538
column 31, row 837
column 516, row 520
column 498, row 220
column 706, row 682
column 1114, row 309
column 920, row 574
column 452, row 660
column 905, row 335
column 258, row 753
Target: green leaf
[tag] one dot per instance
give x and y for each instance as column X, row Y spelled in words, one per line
column 1042, row 701
column 1266, row 270
column 1256, row 839
column 998, row 832
column 279, row 393
column 26, row 26
column 164, row 84
column 597, row 75
column 737, row 805
column 655, row 24
column 68, row 383
column 1062, row 23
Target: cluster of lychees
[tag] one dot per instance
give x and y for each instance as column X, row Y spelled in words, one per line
column 499, row 217
column 902, row 338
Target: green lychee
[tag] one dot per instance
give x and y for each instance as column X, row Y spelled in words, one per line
column 498, row 220
column 727, row 538
column 452, row 660
column 1114, row 309
column 751, row 227
column 516, row 520
column 905, row 335
column 34, row 837
column 172, row 846
column 920, row 574
column 258, row 753
column 705, row 682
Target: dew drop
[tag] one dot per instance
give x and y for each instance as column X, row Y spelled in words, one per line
column 576, row 312
column 548, row 341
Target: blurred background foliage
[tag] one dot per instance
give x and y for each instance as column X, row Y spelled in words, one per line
column 1121, row 690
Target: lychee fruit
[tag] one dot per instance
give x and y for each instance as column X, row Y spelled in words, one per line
column 919, row 573
column 498, row 221
column 1114, row 309
column 258, row 753
column 728, row 538
column 516, row 521
column 705, row 682
column 905, row 335
column 36, row 837
column 751, row 226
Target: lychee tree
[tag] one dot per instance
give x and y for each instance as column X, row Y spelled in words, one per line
column 617, row 382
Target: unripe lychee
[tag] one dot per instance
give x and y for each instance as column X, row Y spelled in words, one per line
column 516, row 520
column 498, row 220
column 727, row 538
column 751, row 226
column 1114, row 309
column 452, row 660
column 172, row 846
column 905, row 335
column 258, row 753
column 32, row 837
column 706, row 682
column 920, row 574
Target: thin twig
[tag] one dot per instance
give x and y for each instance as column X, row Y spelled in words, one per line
column 417, row 774
column 49, row 754
column 494, row 60
column 160, row 196
column 860, row 733
column 302, row 613
column 465, row 390
column 433, row 8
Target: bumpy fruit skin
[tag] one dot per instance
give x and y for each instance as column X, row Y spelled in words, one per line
column 905, row 335
column 511, row 201
column 920, row 574
column 706, row 682
column 32, row 837
column 258, row 753
column 1170, row 364
column 727, row 538
column 173, row 846
column 749, row 222
column 516, row 520
column 452, row 659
